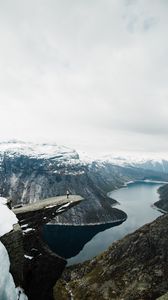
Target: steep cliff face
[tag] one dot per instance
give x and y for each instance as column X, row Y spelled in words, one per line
column 13, row 242
column 26, row 179
column 31, row 174
column 88, row 212
column 32, row 264
column 7, row 286
column 132, row 268
column 42, row 267
column 108, row 176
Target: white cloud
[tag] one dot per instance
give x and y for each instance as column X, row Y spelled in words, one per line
column 91, row 74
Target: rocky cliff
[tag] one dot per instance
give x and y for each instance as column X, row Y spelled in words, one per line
column 42, row 267
column 132, row 268
column 32, row 264
column 13, row 242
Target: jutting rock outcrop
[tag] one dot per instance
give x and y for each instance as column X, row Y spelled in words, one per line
column 42, row 267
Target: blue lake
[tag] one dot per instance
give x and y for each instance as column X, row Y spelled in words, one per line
column 82, row 243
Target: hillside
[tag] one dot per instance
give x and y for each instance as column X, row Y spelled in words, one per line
column 132, row 268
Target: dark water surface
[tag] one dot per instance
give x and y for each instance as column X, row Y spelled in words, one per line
column 79, row 243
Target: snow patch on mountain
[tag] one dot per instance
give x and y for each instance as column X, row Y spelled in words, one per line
column 35, row 150
column 146, row 160
column 7, row 217
column 132, row 160
column 7, row 286
column 8, row 291
column 68, row 156
column 63, row 160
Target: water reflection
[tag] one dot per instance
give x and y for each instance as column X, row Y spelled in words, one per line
column 79, row 243
column 68, row 240
column 136, row 200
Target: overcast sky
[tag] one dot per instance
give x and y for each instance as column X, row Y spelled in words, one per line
column 90, row 74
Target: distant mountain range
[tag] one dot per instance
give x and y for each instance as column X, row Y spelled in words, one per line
column 31, row 172
column 155, row 162
column 66, row 155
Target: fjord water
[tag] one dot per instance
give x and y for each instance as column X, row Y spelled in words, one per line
column 136, row 199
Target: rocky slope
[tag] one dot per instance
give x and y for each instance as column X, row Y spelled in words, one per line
column 132, row 268
column 13, row 242
column 163, row 202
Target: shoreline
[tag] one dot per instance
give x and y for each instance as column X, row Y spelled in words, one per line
column 125, row 185
column 90, row 224
column 145, row 181
column 159, row 209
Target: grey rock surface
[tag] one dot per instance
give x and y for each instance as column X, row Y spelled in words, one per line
column 13, row 242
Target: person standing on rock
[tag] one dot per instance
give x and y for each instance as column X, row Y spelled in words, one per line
column 67, row 193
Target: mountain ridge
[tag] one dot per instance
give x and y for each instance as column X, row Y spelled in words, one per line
column 32, row 172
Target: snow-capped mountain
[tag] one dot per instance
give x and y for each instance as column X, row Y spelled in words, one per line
column 51, row 157
column 31, row 171
column 150, row 161
column 65, row 155
column 37, row 150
